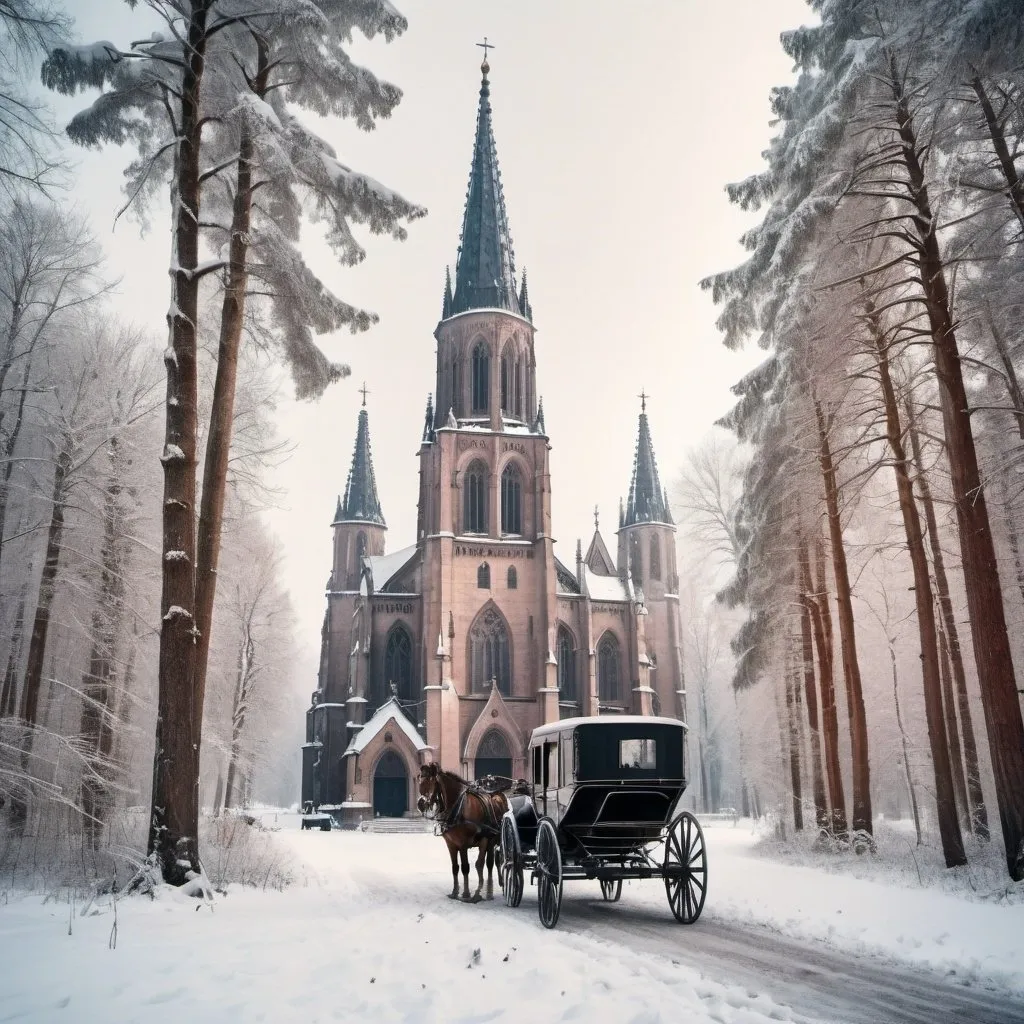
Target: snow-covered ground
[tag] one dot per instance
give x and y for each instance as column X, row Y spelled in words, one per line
column 365, row 933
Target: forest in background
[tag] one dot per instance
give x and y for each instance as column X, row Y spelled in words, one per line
column 854, row 526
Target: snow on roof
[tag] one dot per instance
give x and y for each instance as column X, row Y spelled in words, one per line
column 383, row 567
column 388, row 711
column 604, row 588
column 571, row 723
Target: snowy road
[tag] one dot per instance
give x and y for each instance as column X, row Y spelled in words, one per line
column 365, row 933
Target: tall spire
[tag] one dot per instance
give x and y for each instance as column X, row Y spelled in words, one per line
column 361, row 503
column 647, row 501
column 485, row 271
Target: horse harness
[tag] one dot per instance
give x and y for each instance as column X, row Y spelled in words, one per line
column 449, row 818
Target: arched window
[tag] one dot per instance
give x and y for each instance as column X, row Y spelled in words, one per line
column 566, row 666
column 398, row 664
column 635, row 562
column 456, row 382
column 360, row 549
column 507, row 380
column 481, row 374
column 493, row 756
column 655, row 559
column 519, row 388
column 474, row 499
column 608, row 668
column 511, row 500
column 483, row 577
column 512, row 578
column 489, row 653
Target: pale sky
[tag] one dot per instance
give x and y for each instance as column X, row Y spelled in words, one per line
column 617, row 126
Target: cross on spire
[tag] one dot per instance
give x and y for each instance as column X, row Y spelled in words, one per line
column 643, row 396
column 485, row 46
column 364, row 391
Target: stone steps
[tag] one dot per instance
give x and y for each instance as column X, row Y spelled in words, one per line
column 396, row 825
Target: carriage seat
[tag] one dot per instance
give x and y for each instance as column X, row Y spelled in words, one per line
column 523, row 811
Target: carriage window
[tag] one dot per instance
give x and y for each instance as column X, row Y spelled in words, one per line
column 537, row 762
column 551, row 765
column 567, row 765
column 637, row 754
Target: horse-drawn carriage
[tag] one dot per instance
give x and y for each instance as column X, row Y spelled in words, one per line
column 600, row 804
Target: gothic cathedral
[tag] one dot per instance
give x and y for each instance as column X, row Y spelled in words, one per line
column 455, row 648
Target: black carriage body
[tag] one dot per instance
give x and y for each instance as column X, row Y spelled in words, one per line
column 610, row 785
column 602, row 805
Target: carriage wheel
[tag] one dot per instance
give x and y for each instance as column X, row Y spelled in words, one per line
column 511, row 862
column 686, row 868
column 611, row 890
column 549, row 874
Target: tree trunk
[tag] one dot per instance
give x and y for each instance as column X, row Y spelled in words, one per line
column 981, row 569
column 9, row 693
column 829, row 718
column 7, row 448
column 174, row 819
column 1013, row 388
column 793, row 734
column 98, row 711
column 218, row 442
column 978, row 810
column 861, row 820
column 811, row 690
column 949, row 823
column 32, row 686
column 1014, row 192
column 953, row 731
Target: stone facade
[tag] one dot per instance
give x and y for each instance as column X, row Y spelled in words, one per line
column 455, row 648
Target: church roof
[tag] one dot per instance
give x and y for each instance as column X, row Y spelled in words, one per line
column 485, row 271
column 647, row 502
column 597, row 557
column 360, row 503
column 384, row 568
column 388, row 711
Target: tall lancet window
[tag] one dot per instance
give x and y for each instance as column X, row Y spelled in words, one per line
column 655, row 559
column 456, row 385
column 635, row 558
column 608, row 668
column 566, row 667
column 511, row 500
column 489, row 653
column 518, row 380
column 507, row 381
column 474, row 499
column 481, row 375
column 398, row 665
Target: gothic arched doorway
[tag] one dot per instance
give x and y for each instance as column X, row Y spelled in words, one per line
column 493, row 756
column 390, row 786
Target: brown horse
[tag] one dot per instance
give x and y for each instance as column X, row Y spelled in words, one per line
column 468, row 817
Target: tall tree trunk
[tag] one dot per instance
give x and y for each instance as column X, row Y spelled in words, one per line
column 7, row 449
column 861, row 820
column 829, row 718
column 981, row 569
column 976, row 798
column 218, row 442
column 793, row 735
column 949, row 823
column 1014, row 192
column 246, row 657
column 1013, row 388
column 9, row 693
column 811, row 690
column 174, row 819
column 96, row 725
column 956, row 760
column 32, row 686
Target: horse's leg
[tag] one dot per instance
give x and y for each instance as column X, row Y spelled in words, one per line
column 490, row 870
column 482, row 853
column 454, row 854
column 464, row 854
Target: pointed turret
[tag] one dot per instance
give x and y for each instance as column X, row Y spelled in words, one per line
column 360, row 503
column 538, row 423
column 428, row 422
column 646, row 502
column 485, row 272
column 524, row 299
column 446, row 302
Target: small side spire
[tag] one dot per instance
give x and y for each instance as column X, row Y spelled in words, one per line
column 361, row 503
column 446, row 303
column 538, row 423
column 524, row 299
column 428, row 422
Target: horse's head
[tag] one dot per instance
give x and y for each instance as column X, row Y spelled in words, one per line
column 431, row 797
